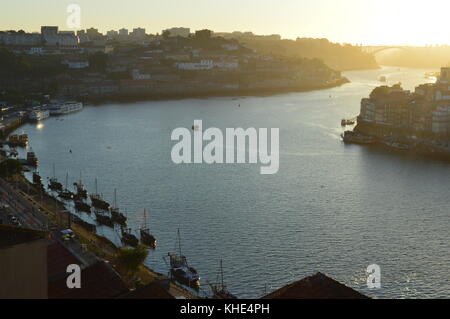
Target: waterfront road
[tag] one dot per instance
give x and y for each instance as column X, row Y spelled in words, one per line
column 27, row 210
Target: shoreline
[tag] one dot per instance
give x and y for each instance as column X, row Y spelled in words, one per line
column 103, row 248
column 147, row 97
column 415, row 147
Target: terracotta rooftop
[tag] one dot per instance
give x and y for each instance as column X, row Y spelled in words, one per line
column 58, row 258
column 99, row 281
column 318, row 286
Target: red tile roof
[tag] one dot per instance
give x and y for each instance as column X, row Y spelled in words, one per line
column 58, row 258
column 318, row 286
column 99, row 281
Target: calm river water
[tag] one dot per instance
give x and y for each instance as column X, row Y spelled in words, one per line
column 331, row 208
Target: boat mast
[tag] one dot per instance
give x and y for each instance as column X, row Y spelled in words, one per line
column 221, row 272
column 115, row 198
column 96, row 191
column 54, row 175
column 67, row 178
column 179, row 241
column 145, row 218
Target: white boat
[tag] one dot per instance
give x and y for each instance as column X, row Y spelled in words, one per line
column 39, row 115
column 65, row 108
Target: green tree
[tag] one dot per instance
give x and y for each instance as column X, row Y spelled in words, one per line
column 132, row 258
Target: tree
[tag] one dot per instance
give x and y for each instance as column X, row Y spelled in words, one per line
column 166, row 34
column 203, row 34
column 132, row 258
column 10, row 167
column 97, row 61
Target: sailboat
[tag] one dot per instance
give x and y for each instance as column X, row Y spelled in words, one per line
column 37, row 180
column 82, row 206
column 54, row 184
column 220, row 291
column 181, row 271
column 116, row 215
column 103, row 219
column 146, row 238
column 97, row 200
column 81, row 190
column 128, row 238
column 66, row 194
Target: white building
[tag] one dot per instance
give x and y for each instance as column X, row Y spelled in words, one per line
column 138, row 33
column 230, row 47
column 227, row 65
column 441, row 120
column 76, row 64
column 51, row 37
column 207, row 65
column 137, row 75
column 82, row 36
column 36, row 50
column 20, row 39
column 196, row 66
column 123, row 32
column 111, row 35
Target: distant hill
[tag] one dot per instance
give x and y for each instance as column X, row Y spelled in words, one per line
column 416, row 57
column 337, row 56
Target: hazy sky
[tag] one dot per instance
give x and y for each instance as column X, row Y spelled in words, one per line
column 353, row 21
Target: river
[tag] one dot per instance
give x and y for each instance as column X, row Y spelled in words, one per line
column 331, row 208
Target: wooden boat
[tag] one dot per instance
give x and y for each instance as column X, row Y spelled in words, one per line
column 220, row 291
column 146, row 238
column 128, row 238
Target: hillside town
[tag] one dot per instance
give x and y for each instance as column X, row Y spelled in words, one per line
column 89, row 65
column 405, row 120
column 424, row 112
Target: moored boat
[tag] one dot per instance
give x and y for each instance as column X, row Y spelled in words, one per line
column 65, row 193
column 353, row 137
column 82, row 206
column 220, row 291
column 18, row 140
column 345, row 122
column 146, row 238
column 128, row 238
column 65, row 108
column 103, row 219
column 116, row 215
column 38, row 115
column 81, row 192
column 181, row 271
column 37, row 180
column 32, row 159
column 97, row 200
